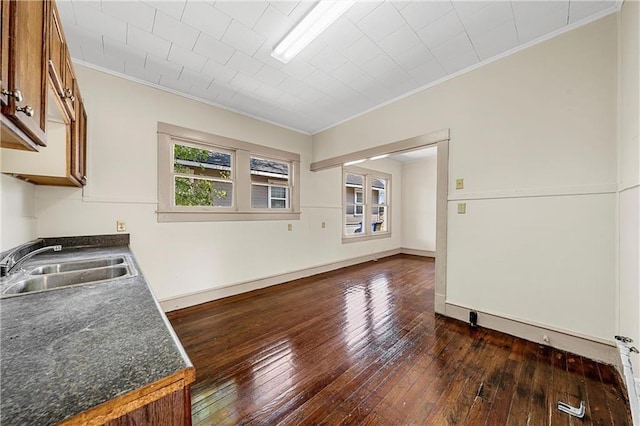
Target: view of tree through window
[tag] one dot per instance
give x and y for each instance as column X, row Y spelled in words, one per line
column 202, row 177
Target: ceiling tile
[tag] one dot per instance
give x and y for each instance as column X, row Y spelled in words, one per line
column 301, row 10
column 179, row 85
column 400, row 41
column 80, row 39
column 134, row 12
column 164, row 67
column 381, row 22
column 445, row 28
column 198, row 80
column 175, row 31
column 327, row 60
column 532, row 29
column 242, row 38
column 361, row 9
column 487, row 18
column 67, row 15
column 244, row 63
column 221, row 73
column 187, row 58
column 246, row 12
column 379, row 65
column 581, row 9
column 319, row 79
column 293, row 86
column 534, row 10
column 212, row 48
column 270, row 75
column 101, row 60
column 269, row 92
column 286, row 7
column 459, row 62
column 142, row 73
column 496, row 41
column 148, row 42
column 131, row 55
column 244, row 83
column 427, row 72
column 96, row 21
column 206, row 18
column 342, row 34
column 362, row 51
column 414, row 57
column 173, row 8
column 347, row 72
column 467, row 8
column 453, row 47
column 264, row 55
column 298, row 68
column 274, row 25
column 419, row 14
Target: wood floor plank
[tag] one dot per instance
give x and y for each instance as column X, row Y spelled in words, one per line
column 362, row 345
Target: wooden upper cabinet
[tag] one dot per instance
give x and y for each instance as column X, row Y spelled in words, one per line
column 70, row 87
column 26, row 84
column 56, row 52
column 78, row 146
column 4, row 51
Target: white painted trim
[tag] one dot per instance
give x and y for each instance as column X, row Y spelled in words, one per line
column 560, row 31
column 439, row 303
column 630, row 382
column 418, row 252
column 203, row 296
column 536, row 192
column 442, row 188
column 184, row 95
column 628, row 188
column 588, row 346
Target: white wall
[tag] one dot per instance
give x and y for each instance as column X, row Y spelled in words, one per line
column 18, row 207
column 628, row 320
column 419, row 204
column 182, row 258
column 533, row 136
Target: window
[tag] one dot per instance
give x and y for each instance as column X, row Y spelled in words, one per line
column 365, row 191
column 204, row 177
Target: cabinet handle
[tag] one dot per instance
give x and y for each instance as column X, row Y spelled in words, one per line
column 15, row 94
column 68, row 93
column 28, row 110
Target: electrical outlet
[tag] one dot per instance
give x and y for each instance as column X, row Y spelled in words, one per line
column 462, row 208
column 460, row 183
column 290, row 227
column 121, row 225
column 324, row 225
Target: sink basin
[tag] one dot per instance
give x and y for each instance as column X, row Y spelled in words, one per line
column 65, row 274
column 49, row 281
column 78, row 265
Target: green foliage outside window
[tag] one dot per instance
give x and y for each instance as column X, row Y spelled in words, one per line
column 195, row 191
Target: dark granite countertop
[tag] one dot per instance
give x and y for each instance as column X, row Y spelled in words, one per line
column 68, row 350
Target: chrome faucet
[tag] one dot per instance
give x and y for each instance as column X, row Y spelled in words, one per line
column 16, row 263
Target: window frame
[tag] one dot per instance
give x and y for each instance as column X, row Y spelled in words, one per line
column 241, row 153
column 367, row 205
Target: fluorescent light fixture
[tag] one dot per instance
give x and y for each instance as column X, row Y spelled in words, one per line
column 321, row 16
column 351, row 163
column 379, row 157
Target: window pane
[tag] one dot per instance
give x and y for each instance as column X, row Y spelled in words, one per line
column 378, row 219
column 354, row 200
column 202, row 162
column 378, row 187
column 202, row 192
column 259, row 196
column 278, row 192
column 263, row 170
column 278, row 204
column 354, row 180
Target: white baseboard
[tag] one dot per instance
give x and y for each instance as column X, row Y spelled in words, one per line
column 592, row 348
column 417, row 252
column 198, row 297
column 440, row 306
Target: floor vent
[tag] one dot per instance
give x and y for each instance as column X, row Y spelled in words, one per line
column 632, row 384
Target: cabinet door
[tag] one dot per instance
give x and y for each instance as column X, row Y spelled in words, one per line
column 70, row 87
column 56, row 52
column 27, row 67
column 78, row 167
column 4, row 51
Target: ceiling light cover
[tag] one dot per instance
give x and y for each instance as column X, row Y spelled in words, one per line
column 319, row 19
column 351, row 163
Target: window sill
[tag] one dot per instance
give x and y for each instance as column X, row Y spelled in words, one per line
column 225, row 216
column 351, row 239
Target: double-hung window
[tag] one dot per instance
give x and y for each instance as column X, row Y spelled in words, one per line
column 204, row 177
column 366, row 201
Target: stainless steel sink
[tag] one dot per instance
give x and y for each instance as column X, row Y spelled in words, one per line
column 67, row 274
column 77, row 266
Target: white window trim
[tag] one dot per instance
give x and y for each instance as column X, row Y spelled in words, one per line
column 367, row 233
column 241, row 176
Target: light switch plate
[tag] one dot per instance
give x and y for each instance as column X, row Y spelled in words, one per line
column 460, row 183
column 462, row 208
column 290, row 227
column 121, row 226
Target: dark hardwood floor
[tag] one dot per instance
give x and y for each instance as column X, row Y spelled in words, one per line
column 362, row 345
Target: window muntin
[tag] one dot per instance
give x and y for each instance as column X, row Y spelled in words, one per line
column 365, row 191
column 201, row 177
